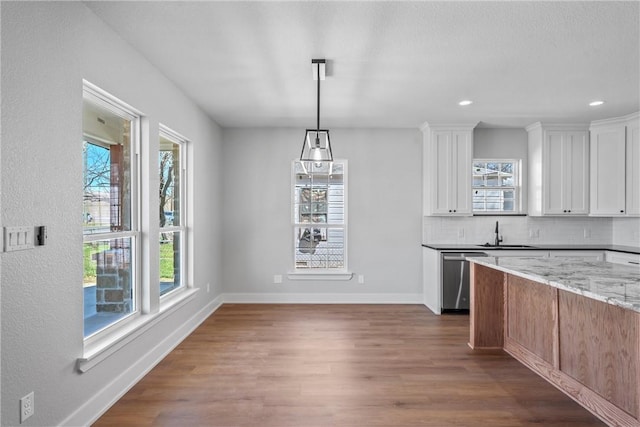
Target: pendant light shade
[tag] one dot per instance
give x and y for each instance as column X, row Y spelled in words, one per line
column 316, row 146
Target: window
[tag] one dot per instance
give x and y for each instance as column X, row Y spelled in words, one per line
column 110, row 211
column 496, row 186
column 319, row 215
column 171, row 167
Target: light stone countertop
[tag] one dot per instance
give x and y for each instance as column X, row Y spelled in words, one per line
column 615, row 284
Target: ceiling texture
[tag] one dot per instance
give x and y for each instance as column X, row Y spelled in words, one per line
column 395, row 64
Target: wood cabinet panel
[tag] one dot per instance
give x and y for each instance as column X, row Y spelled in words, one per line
column 487, row 292
column 531, row 316
column 599, row 348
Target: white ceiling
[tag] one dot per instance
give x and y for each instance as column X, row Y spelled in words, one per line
column 391, row 64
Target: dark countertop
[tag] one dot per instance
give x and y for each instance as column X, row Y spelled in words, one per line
column 541, row 247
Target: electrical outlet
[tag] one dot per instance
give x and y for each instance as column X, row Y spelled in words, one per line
column 361, row 279
column 460, row 232
column 277, row 278
column 534, row 233
column 208, row 287
column 587, row 233
column 27, row 407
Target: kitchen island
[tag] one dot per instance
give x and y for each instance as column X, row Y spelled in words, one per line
column 574, row 322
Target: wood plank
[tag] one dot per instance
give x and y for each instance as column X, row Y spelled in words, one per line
column 599, row 348
column 532, row 316
column 600, row 407
column 487, row 308
column 341, row 366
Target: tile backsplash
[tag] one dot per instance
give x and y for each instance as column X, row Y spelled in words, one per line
column 530, row 230
column 626, row 231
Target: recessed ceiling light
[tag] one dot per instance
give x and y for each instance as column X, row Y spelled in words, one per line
column 465, row 102
column 595, row 103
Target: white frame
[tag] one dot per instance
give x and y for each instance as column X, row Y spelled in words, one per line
column 517, row 188
column 109, row 102
column 320, row 273
column 175, row 137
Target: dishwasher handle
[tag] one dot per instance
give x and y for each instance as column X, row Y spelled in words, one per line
column 461, row 256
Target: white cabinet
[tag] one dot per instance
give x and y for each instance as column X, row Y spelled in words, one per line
column 608, row 146
column 583, row 255
column 447, row 163
column 623, row 258
column 633, row 165
column 432, row 279
column 558, row 170
column 615, row 164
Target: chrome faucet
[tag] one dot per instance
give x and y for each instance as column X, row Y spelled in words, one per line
column 498, row 238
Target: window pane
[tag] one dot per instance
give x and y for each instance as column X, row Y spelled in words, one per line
column 106, row 170
column 319, row 247
column 169, row 169
column 108, row 292
column 494, row 186
column 170, row 261
column 319, row 205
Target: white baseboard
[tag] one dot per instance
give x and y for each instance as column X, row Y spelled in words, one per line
column 105, row 398
column 323, row 298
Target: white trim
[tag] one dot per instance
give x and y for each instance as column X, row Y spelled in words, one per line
column 323, row 298
column 107, row 345
column 314, row 274
column 557, row 126
column 622, row 120
column 426, row 126
column 98, row 404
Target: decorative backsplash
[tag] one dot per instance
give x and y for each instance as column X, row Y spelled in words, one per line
column 532, row 230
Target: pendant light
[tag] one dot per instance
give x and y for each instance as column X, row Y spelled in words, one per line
column 316, row 146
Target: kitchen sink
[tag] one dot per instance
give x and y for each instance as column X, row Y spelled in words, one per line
column 489, row 245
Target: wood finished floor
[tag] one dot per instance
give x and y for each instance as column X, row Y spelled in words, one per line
column 339, row 365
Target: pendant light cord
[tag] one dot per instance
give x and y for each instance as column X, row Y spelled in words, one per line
column 318, row 112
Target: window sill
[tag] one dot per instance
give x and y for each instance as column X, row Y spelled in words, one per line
column 320, row 275
column 102, row 349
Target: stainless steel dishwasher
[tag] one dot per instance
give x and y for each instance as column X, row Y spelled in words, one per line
column 455, row 281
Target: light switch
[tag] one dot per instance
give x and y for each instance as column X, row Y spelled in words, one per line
column 18, row 238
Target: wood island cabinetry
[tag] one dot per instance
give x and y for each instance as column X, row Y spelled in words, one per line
column 587, row 348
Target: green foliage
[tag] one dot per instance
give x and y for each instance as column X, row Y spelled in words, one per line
column 166, row 260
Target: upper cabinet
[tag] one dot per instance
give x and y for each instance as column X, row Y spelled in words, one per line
column 615, row 167
column 447, row 162
column 558, row 170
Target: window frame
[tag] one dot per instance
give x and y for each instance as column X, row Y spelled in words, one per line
column 517, row 187
column 182, row 228
column 103, row 99
column 315, row 273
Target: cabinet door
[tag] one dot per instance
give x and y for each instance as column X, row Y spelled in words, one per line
column 633, row 168
column 462, row 157
column 566, row 173
column 608, row 171
column 451, row 173
column 441, row 172
column 555, row 186
column 577, row 173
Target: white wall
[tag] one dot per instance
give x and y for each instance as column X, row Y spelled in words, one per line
column 47, row 49
column 384, row 211
column 500, row 143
